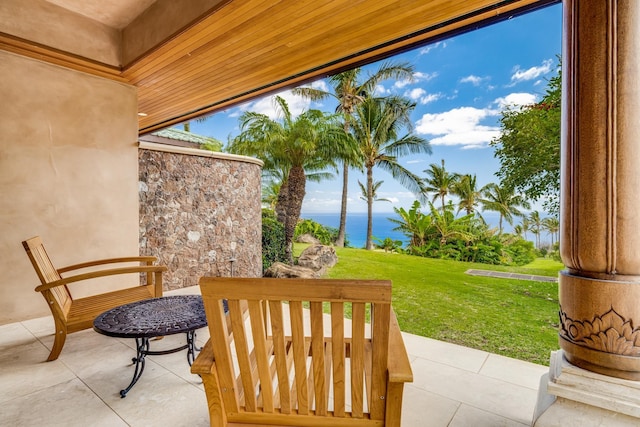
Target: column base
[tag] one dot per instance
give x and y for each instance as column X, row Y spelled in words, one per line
column 572, row 396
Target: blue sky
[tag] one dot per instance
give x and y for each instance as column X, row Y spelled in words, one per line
column 460, row 86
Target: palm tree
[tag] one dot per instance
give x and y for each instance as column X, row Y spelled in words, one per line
column 365, row 196
column 466, row 188
column 504, row 201
column 519, row 230
column 535, row 223
column 552, row 225
column 526, row 226
column 349, row 90
column 294, row 146
column 439, row 181
column 376, row 126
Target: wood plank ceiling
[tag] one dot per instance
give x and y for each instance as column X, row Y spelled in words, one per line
column 244, row 49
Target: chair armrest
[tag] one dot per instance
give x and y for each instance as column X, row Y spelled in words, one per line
column 102, row 273
column 398, row 365
column 146, row 259
column 205, row 362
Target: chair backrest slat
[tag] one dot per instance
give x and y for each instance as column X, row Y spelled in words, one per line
column 299, row 356
column 294, row 354
column 280, row 355
column 381, row 316
column 242, row 350
column 262, row 358
column 357, row 359
column 317, row 357
column 338, row 357
column 46, row 271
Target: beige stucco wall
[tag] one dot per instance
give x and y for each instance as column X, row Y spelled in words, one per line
column 68, row 172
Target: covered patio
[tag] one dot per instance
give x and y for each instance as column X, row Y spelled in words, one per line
column 453, row 385
column 82, row 80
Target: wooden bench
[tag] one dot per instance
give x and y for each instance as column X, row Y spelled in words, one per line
column 272, row 361
column 76, row 314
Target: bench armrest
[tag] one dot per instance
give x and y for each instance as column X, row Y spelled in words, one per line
column 103, row 273
column 398, row 365
column 146, row 259
column 205, row 362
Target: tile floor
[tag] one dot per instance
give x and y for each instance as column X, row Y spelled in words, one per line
column 453, row 386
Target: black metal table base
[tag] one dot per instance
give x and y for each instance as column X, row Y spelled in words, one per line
column 142, row 350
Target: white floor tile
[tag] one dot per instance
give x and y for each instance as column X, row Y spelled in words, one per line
column 67, row 404
column 469, row 416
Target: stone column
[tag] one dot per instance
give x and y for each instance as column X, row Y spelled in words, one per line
column 594, row 379
column 600, row 204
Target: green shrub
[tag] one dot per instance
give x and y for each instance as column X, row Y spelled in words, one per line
column 520, row 252
column 388, row 244
column 326, row 235
column 273, row 242
column 555, row 252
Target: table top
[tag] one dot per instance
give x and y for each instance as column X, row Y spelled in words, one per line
column 153, row 317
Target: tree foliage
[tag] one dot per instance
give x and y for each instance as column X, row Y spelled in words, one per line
column 377, row 126
column 503, row 200
column 440, row 234
column 292, row 147
column 273, row 244
column 529, row 148
column 350, row 89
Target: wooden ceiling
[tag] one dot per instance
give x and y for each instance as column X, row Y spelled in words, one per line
column 243, row 49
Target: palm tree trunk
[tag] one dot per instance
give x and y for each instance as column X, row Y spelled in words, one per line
column 369, row 244
column 343, row 207
column 282, row 202
column 296, row 192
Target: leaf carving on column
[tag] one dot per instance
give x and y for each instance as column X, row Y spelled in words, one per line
column 609, row 333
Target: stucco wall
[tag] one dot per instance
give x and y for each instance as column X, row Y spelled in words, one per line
column 68, row 172
column 195, row 206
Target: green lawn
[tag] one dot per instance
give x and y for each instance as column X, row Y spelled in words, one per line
column 435, row 298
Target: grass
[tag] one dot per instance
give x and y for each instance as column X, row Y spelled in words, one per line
column 436, row 299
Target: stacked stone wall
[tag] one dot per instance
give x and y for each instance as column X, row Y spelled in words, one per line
column 200, row 215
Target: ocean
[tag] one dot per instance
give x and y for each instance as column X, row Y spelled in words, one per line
column 357, row 226
column 382, row 227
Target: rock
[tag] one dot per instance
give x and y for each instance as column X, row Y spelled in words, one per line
column 285, row 271
column 307, row 238
column 318, row 258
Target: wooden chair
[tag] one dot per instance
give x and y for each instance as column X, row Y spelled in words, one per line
column 272, row 361
column 75, row 314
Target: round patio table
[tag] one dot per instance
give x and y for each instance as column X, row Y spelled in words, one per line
column 155, row 317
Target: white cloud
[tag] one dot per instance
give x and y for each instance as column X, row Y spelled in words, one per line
column 297, row 104
column 420, row 95
column 459, row 126
column 418, row 77
column 320, row 85
column 474, row 80
column 431, row 47
column 516, row 99
column 413, row 162
column 531, row 73
column 380, row 90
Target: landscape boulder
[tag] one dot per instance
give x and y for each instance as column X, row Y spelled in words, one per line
column 284, row 271
column 318, row 258
column 307, row 238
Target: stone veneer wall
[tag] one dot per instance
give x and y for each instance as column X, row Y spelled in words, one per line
column 198, row 211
